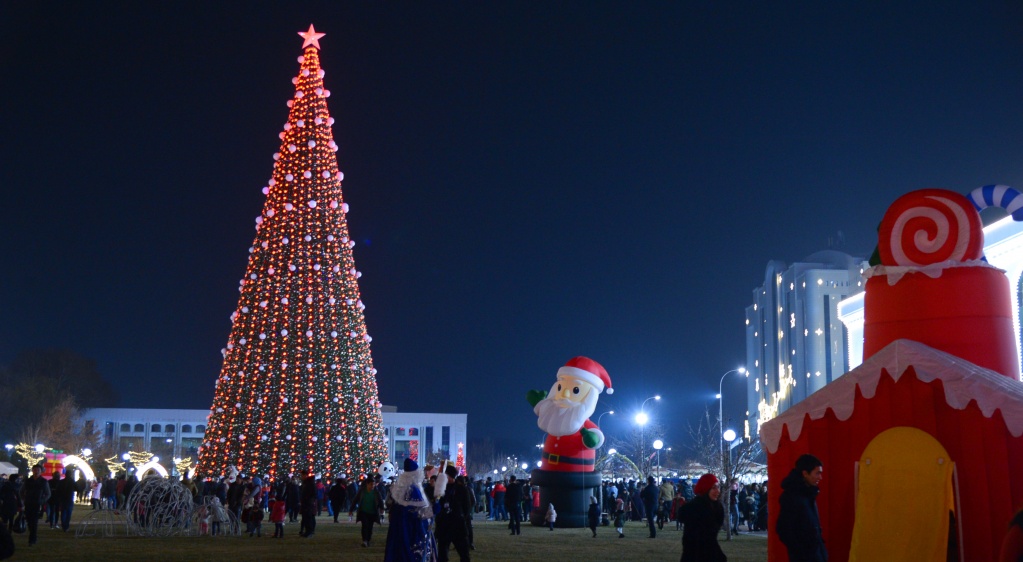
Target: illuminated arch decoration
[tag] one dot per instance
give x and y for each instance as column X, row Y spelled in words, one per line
column 151, row 465
column 80, row 464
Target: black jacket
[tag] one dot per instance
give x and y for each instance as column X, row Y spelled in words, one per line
column 702, row 519
column 513, row 495
column 35, row 492
column 799, row 525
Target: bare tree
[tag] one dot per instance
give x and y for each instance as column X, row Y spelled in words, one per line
column 638, row 444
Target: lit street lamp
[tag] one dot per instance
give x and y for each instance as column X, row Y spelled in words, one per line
column 658, row 445
column 641, row 419
column 721, row 400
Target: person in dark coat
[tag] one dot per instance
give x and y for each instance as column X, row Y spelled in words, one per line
column 66, row 489
column 513, row 504
column 593, row 515
column 10, row 500
column 651, row 499
column 337, row 497
column 309, row 506
column 702, row 519
column 799, row 525
column 452, row 513
column 34, row 494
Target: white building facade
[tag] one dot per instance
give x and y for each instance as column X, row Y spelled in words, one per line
column 795, row 343
column 179, row 433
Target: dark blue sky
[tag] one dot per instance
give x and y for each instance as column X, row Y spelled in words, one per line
column 528, row 181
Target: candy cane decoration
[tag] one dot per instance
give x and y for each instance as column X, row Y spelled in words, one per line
column 930, row 226
column 1001, row 196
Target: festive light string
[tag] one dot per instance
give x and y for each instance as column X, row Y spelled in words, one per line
column 297, row 388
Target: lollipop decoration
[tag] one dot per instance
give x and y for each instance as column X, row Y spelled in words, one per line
column 930, row 226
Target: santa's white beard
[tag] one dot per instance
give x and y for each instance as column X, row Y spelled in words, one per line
column 559, row 421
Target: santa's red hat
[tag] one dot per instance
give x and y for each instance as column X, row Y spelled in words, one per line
column 588, row 370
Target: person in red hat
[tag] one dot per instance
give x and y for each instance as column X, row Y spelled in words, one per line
column 564, row 414
column 702, row 519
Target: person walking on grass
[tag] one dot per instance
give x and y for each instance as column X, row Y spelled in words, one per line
column 369, row 505
column 593, row 515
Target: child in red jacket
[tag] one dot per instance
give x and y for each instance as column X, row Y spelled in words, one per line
column 278, row 511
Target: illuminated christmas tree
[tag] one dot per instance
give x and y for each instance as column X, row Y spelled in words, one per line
column 298, row 389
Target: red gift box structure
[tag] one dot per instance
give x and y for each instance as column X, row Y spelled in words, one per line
column 922, row 444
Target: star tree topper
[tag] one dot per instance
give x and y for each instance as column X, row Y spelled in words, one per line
column 311, row 37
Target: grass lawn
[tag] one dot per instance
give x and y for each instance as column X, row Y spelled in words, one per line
column 342, row 541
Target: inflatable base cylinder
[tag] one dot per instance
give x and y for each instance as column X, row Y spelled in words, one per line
column 965, row 312
column 570, row 493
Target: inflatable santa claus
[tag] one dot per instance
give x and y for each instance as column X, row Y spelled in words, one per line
column 566, row 476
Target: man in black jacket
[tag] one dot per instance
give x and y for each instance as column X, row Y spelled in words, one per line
column 799, row 525
column 34, row 494
column 452, row 514
column 650, row 495
column 309, row 506
column 513, row 503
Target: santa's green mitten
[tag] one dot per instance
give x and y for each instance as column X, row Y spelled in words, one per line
column 590, row 438
column 535, row 396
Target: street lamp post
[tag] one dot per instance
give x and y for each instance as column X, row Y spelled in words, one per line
column 641, row 419
column 658, row 444
column 721, row 421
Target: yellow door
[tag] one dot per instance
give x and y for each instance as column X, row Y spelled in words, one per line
column 903, row 499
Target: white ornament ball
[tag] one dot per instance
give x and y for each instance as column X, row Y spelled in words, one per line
column 270, row 212
column 311, row 400
column 292, row 148
column 288, row 437
column 307, row 174
column 325, row 174
column 307, row 238
column 312, row 203
column 333, row 334
column 289, row 177
column 300, row 123
column 288, row 207
column 262, row 304
column 284, row 300
column 344, row 208
column 277, row 155
column 315, row 438
column 309, row 300
column 311, row 144
column 309, row 334
column 284, row 332
column 319, row 91
column 266, row 191
column 300, row 94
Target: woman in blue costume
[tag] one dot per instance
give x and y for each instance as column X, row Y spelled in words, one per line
column 409, row 537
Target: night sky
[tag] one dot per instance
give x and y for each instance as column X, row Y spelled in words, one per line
column 528, row 181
